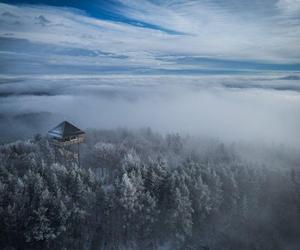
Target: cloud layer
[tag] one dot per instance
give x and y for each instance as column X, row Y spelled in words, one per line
column 230, row 108
column 228, row 69
column 151, row 36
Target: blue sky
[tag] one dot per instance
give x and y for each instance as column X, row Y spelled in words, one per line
column 149, row 37
column 228, row 69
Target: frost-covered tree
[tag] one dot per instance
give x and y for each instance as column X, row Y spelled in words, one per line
column 141, row 190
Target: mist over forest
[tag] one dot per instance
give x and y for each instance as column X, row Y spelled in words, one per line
column 167, row 163
column 137, row 189
column 263, row 109
column 149, row 124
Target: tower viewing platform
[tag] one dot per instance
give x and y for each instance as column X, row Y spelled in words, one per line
column 65, row 134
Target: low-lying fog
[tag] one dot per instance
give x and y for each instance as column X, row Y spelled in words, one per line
column 258, row 108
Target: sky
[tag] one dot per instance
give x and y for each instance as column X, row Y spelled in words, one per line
column 227, row 69
column 149, row 36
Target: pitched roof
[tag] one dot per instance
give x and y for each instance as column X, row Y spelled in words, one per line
column 64, row 129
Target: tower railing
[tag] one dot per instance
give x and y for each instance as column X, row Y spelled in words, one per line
column 66, row 141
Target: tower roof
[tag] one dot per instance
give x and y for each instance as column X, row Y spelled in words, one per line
column 64, row 129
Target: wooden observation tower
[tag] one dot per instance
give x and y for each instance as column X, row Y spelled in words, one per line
column 66, row 138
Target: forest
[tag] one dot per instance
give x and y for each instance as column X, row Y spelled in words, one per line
column 138, row 189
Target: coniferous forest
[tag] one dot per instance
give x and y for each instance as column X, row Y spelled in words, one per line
column 136, row 189
column 188, row 115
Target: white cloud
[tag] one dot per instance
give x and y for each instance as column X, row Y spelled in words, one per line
column 229, row 107
column 208, row 30
column 289, row 6
column 194, row 105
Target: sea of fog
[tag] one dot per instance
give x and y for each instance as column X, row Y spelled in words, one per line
column 261, row 108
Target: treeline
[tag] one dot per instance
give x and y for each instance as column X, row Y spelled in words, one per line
column 142, row 190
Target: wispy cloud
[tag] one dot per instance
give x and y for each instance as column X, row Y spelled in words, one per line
column 140, row 35
column 289, row 6
column 224, row 68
